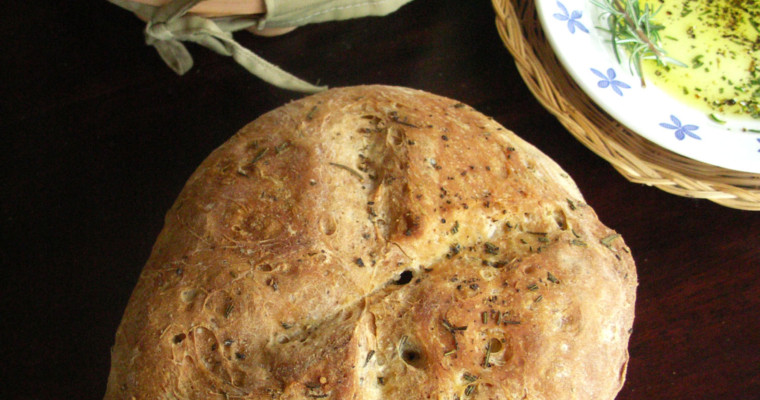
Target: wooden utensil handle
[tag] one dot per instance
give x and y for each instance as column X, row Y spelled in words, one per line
column 219, row 8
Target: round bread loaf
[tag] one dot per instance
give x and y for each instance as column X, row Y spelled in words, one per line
column 378, row 242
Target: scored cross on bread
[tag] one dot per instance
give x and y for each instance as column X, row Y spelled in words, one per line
column 378, row 242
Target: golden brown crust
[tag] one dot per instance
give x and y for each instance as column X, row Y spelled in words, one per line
column 378, row 242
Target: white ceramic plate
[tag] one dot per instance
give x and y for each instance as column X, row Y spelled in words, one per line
column 570, row 26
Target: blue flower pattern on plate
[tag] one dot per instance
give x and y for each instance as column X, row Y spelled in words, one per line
column 572, row 19
column 610, row 81
column 681, row 130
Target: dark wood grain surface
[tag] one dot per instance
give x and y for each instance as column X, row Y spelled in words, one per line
column 99, row 137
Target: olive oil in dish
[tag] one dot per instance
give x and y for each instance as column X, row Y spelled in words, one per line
column 719, row 41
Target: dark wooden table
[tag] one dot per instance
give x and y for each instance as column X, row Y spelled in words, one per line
column 99, row 137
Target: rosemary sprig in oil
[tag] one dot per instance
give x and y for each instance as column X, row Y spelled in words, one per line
column 632, row 28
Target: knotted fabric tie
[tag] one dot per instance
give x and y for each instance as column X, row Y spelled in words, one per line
column 170, row 25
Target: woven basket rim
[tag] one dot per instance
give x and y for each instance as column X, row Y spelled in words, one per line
column 634, row 157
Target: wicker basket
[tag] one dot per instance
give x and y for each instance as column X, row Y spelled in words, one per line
column 636, row 158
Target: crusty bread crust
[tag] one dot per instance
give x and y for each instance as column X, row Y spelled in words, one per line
column 378, row 242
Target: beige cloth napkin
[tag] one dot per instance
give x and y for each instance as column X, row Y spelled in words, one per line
column 170, row 25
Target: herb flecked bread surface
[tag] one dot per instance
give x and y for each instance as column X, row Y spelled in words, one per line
column 378, row 242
